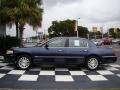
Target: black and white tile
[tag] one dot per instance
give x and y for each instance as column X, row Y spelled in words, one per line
column 60, row 74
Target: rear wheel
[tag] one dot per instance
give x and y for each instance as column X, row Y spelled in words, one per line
column 92, row 63
column 23, row 62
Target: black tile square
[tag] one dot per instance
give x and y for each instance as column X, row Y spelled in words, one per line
column 4, row 71
column 10, row 65
column 9, row 77
column 74, row 68
column 101, row 68
column 118, row 68
column 48, row 68
column 46, row 78
column 32, row 72
column 62, row 73
column 91, row 73
column 81, row 78
column 116, row 72
column 1, row 66
column 113, row 78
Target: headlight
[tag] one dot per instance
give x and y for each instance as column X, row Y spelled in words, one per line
column 9, row 52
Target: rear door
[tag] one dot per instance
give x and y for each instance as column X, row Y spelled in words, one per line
column 77, row 50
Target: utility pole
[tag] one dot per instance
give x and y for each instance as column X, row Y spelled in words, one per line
column 77, row 27
column 101, row 29
column 45, row 35
column 108, row 33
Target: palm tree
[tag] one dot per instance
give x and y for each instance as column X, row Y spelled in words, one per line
column 20, row 13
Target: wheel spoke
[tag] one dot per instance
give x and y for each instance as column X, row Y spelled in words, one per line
column 24, row 62
column 93, row 63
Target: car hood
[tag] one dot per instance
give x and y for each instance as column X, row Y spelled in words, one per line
column 23, row 48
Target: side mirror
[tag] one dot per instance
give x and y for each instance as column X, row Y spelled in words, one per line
column 46, row 46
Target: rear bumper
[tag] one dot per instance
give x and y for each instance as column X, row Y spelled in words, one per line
column 10, row 58
column 109, row 59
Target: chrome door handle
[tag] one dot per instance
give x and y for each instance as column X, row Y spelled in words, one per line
column 85, row 50
column 80, row 50
column 60, row 50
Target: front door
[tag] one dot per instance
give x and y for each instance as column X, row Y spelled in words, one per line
column 54, row 52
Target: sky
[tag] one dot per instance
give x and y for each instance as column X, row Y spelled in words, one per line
column 92, row 13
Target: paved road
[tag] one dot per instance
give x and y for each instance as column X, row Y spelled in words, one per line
column 61, row 77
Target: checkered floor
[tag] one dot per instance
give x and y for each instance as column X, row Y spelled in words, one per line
column 59, row 74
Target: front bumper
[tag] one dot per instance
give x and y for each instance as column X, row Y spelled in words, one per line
column 9, row 58
column 109, row 59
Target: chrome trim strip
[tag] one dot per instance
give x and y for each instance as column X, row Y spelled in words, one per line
column 68, row 47
column 58, row 57
column 109, row 56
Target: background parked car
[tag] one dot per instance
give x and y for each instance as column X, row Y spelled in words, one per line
column 115, row 41
column 97, row 42
column 107, row 41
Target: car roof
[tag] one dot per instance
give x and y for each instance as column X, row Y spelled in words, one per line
column 90, row 42
column 69, row 38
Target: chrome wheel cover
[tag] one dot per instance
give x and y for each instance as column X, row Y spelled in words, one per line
column 24, row 62
column 93, row 63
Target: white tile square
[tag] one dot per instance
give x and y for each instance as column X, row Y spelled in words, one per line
column 118, row 75
column 97, row 78
column 64, row 78
column 105, row 72
column 111, row 69
column 17, row 72
column 28, row 78
column 61, row 69
column 1, row 57
column 84, row 69
column 47, row 73
column 2, row 75
column 3, row 64
column 115, row 65
column 7, row 68
column 77, row 73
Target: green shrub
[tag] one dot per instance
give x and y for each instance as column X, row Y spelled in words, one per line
column 7, row 43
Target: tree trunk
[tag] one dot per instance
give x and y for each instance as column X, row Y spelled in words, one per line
column 21, row 37
column 21, row 28
column 17, row 32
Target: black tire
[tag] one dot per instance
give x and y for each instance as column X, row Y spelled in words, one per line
column 119, row 43
column 20, row 64
column 96, row 61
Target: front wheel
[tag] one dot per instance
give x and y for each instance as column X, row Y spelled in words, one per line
column 92, row 63
column 23, row 62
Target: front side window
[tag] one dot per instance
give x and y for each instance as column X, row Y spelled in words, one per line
column 77, row 43
column 57, row 43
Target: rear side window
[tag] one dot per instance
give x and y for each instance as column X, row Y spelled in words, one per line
column 77, row 43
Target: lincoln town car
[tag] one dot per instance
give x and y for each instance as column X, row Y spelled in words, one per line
column 62, row 50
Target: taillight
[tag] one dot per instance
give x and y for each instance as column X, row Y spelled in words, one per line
column 114, row 51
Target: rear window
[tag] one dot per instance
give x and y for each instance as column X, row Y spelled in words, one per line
column 77, row 43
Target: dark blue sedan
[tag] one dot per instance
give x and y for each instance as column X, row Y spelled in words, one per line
column 62, row 50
